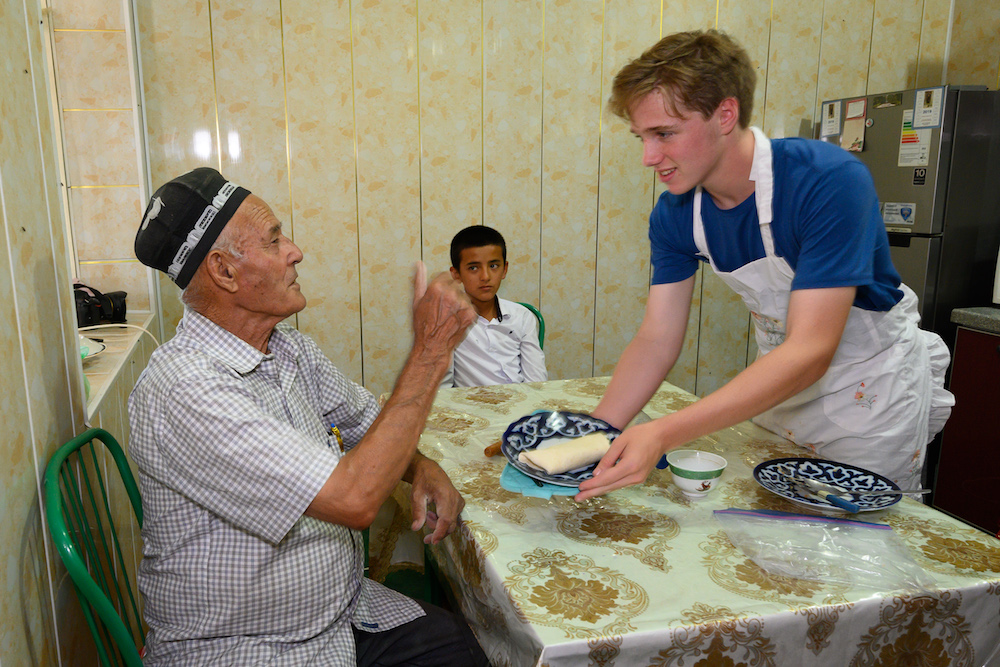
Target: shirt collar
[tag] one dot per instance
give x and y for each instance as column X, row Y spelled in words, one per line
column 226, row 347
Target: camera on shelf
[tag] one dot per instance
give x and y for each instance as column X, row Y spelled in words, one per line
column 95, row 307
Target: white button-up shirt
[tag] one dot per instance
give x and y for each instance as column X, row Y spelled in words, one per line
column 503, row 350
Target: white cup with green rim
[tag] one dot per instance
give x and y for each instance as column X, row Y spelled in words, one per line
column 695, row 473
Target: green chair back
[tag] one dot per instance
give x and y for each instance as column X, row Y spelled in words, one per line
column 541, row 323
column 84, row 530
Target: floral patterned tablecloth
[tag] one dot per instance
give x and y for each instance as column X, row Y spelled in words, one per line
column 646, row 576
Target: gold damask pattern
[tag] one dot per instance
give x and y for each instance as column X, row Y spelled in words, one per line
column 664, row 403
column 456, row 426
column 572, row 593
column 821, row 621
column 479, row 483
column 967, row 550
column 728, row 567
column 625, row 528
column 469, row 558
column 587, row 387
column 927, row 631
column 748, row 494
column 753, row 451
column 604, row 650
column 733, row 642
column 564, row 405
column 500, row 398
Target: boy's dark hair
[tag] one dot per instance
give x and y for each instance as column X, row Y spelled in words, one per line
column 475, row 236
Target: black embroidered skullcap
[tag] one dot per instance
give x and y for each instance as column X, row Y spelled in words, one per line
column 182, row 221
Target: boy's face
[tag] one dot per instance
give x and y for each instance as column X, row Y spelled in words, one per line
column 685, row 151
column 481, row 270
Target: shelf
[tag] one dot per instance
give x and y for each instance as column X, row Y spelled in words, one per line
column 105, row 368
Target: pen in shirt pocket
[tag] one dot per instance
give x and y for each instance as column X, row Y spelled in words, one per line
column 336, row 431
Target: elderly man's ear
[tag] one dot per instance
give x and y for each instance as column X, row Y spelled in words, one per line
column 222, row 270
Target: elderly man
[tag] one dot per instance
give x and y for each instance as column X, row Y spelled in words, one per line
column 259, row 461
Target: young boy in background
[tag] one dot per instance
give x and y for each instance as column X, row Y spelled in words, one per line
column 502, row 346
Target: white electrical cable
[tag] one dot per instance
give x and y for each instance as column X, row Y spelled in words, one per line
column 112, row 326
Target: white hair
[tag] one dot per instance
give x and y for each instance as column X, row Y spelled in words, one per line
column 229, row 241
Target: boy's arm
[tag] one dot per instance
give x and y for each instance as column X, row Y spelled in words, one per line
column 532, row 357
column 651, row 354
column 815, row 323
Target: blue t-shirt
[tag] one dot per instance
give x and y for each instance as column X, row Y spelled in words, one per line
column 826, row 225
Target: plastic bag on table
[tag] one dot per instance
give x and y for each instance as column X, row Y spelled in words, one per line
column 825, row 549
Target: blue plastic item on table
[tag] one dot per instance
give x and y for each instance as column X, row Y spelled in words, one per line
column 516, row 481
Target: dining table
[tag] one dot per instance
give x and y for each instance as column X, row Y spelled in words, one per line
column 645, row 575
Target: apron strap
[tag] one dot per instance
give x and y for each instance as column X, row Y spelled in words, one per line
column 762, row 174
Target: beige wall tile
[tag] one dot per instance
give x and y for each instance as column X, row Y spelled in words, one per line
column 93, row 70
column 791, row 69
column 317, row 40
column 451, row 121
column 750, row 23
column 87, row 14
column 570, row 144
column 386, row 113
column 686, row 15
column 684, row 374
column 845, row 51
column 625, row 195
column 36, row 390
column 127, row 275
column 722, row 342
column 975, row 50
column 934, row 29
column 170, row 305
column 512, row 137
column 895, row 45
column 100, row 148
column 175, row 43
column 105, row 221
column 250, row 90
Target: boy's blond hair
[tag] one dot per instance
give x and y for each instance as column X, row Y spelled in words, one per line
column 696, row 70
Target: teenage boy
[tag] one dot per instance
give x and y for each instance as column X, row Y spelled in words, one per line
column 793, row 226
column 502, row 345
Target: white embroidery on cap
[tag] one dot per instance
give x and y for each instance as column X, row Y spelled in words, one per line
column 204, row 221
column 154, row 210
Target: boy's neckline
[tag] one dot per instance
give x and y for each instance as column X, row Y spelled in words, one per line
column 496, row 313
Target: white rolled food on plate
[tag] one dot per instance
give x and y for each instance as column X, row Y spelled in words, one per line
column 568, row 455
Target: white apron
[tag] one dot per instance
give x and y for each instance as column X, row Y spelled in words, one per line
column 882, row 399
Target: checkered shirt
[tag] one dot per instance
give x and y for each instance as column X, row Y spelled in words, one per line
column 232, row 445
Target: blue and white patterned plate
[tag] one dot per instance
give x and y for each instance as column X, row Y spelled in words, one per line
column 542, row 429
column 852, row 479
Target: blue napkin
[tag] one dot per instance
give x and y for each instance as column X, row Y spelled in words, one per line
column 516, row 481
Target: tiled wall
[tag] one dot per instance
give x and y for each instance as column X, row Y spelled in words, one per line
column 40, row 394
column 101, row 156
column 378, row 129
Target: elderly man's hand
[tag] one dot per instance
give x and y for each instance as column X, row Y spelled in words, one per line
column 442, row 311
column 431, row 485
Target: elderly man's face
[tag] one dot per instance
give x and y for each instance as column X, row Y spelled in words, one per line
column 266, row 272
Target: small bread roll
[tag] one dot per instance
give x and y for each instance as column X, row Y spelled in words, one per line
column 568, row 455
